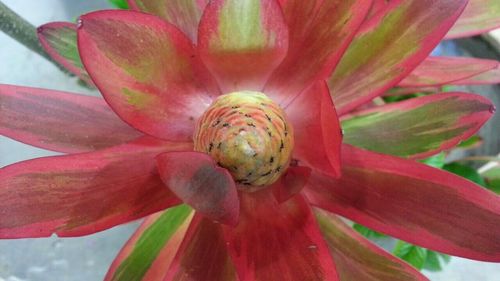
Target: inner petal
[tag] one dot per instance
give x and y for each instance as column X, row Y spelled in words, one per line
column 248, row 134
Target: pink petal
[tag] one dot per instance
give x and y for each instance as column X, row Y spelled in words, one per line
column 388, row 47
column 147, row 70
column 414, row 202
column 418, row 127
column 85, row 193
column 478, row 17
column 357, row 258
column 242, row 42
column 60, row 121
column 320, row 32
column 185, row 14
column 318, row 135
column 438, row 71
column 278, row 241
column 202, row 255
column 377, row 7
column 197, row 179
column 488, row 77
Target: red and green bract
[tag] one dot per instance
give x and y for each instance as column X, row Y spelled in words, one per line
column 160, row 70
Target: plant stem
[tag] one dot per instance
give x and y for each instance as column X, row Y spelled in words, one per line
column 22, row 31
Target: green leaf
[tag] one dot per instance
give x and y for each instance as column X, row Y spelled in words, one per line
column 122, row 4
column 470, row 142
column 492, row 178
column 436, row 161
column 435, row 261
column 393, row 99
column 366, row 232
column 465, row 171
column 414, row 255
column 421, row 258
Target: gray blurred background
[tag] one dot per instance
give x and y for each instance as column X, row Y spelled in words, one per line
column 87, row 258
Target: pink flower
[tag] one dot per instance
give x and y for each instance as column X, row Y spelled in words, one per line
column 231, row 111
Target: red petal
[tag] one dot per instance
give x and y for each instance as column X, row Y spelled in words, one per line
column 414, row 202
column 377, row 7
column 197, row 179
column 202, row 255
column 242, row 42
column 185, row 14
column 437, row 71
column 291, row 183
column 478, row 17
column 85, row 193
column 318, row 135
column 59, row 41
column 388, row 47
column 149, row 252
column 320, row 32
column 278, row 241
column 418, row 127
column 60, row 121
column 146, row 69
column 357, row 258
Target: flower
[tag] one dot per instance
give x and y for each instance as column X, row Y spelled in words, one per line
column 231, row 110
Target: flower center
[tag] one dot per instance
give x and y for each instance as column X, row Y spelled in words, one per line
column 248, row 134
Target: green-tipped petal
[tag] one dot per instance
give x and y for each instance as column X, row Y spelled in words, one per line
column 185, row 14
column 478, row 17
column 242, row 42
column 320, row 32
column 151, row 249
column 388, row 47
column 147, row 70
column 59, row 41
column 418, row 127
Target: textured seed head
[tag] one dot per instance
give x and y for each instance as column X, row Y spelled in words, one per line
column 248, row 134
